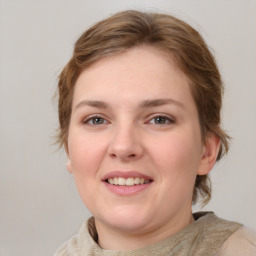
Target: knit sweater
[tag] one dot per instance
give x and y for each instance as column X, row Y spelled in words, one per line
column 208, row 235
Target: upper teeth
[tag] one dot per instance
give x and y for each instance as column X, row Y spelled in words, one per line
column 127, row 182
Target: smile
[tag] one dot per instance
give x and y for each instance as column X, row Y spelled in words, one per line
column 131, row 181
column 126, row 183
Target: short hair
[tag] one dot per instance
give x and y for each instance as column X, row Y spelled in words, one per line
column 129, row 29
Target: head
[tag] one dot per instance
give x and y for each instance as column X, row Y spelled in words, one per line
column 175, row 39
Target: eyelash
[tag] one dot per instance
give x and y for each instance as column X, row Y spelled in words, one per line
column 92, row 118
column 168, row 120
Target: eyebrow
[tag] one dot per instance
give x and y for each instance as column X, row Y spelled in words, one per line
column 143, row 104
column 92, row 103
column 160, row 102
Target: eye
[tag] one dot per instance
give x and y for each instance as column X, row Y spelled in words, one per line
column 95, row 120
column 161, row 120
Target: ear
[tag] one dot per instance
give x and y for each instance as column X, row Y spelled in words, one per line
column 69, row 166
column 209, row 154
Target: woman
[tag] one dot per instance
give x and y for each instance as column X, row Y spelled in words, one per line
column 139, row 112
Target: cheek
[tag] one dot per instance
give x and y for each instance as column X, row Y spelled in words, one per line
column 178, row 156
column 85, row 152
column 176, row 161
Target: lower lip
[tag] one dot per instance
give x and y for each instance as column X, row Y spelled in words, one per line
column 127, row 190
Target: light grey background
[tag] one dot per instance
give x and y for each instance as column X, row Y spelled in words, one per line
column 40, row 207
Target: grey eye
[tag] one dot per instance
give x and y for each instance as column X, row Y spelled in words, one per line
column 97, row 121
column 161, row 120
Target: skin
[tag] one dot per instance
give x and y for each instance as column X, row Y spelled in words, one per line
column 126, row 135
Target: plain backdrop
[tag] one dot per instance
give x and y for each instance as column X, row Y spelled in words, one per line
column 40, row 207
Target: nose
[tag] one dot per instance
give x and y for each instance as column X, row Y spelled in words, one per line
column 125, row 144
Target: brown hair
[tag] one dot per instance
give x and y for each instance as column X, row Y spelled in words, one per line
column 129, row 29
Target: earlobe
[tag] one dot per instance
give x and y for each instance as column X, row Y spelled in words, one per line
column 69, row 166
column 210, row 153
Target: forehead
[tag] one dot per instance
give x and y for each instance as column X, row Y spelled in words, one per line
column 138, row 71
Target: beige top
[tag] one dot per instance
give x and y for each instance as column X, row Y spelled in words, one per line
column 208, row 235
column 242, row 242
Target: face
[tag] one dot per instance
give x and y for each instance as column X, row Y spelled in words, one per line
column 134, row 142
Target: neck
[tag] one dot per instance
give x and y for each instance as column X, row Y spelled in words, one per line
column 110, row 238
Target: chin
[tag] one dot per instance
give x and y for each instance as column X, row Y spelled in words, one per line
column 129, row 220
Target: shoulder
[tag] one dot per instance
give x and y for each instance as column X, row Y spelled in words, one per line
column 241, row 242
column 68, row 248
column 83, row 243
column 72, row 247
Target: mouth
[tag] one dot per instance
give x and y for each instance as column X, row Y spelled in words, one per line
column 130, row 181
column 127, row 183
